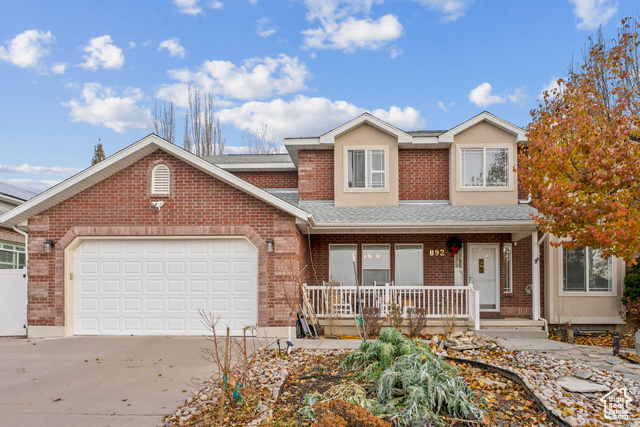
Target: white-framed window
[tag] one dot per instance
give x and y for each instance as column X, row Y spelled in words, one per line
column 586, row 270
column 12, row 255
column 367, row 168
column 507, row 254
column 486, row 167
column 375, row 264
column 161, row 180
column 409, row 265
column 458, row 267
column 341, row 268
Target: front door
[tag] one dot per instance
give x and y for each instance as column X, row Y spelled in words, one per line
column 484, row 274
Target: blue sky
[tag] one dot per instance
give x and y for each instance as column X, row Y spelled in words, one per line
column 73, row 72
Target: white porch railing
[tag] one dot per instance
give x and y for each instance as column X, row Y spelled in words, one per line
column 460, row 302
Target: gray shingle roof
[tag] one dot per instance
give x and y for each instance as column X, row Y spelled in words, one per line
column 405, row 212
column 248, row 158
column 426, row 132
column 16, row 192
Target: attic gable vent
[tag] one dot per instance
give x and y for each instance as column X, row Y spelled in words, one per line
column 160, row 180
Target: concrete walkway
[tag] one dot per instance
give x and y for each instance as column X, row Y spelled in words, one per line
column 97, row 381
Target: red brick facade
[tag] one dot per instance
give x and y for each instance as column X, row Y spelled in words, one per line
column 438, row 270
column 270, row 179
column 315, row 175
column 198, row 205
column 423, row 174
column 9, row 235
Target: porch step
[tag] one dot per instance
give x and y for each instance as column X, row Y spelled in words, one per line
column 525, row 332
column 511, row 323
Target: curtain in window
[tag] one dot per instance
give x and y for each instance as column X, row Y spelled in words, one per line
column 341, row 264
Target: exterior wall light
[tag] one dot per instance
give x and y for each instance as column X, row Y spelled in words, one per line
column 48, row 246
column 269, row 245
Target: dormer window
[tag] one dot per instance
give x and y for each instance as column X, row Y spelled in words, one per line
column 484, row 167
column 160, row 180
column 367, row 169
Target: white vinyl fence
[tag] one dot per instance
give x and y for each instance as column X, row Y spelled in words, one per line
column 13, row 302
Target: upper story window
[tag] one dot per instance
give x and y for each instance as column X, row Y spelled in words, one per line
column 160, row 180
column 484, row 167
column 366, row 168
column 586, row 270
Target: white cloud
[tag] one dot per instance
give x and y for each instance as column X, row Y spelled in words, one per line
column 34, row 185
column 304, row 116
column 353, row 33
column 59, row 68
column 256, row 78
column 47, row 170
column 395, row 51
column 192, row 7
column 253, row 2
column 346, row 25
column 450, row 9
column 101, row 106
column 593, row 13
column 445, row 106
column 102, row 53
column 26, row 49
column 518, row 96
column 189, row 7
column 266, row 28
column 173, row 46
column 482, row 97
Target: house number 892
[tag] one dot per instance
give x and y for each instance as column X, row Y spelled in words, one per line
column 436, row 252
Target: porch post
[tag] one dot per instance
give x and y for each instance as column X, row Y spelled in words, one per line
column 535, row 276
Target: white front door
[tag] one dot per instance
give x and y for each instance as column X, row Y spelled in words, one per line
column 484, row 274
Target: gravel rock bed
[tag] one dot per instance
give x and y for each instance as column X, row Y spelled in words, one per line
column 542, row 374
column 267, row 374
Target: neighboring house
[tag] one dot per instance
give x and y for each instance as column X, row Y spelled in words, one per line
column 152, row 234
column 12, row 243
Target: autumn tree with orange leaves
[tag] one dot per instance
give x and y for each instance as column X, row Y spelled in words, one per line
column 582, row 165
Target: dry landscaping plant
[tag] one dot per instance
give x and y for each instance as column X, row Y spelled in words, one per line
column 417, row 320
column 395, row 315
column 337, row 412
column 372, row 322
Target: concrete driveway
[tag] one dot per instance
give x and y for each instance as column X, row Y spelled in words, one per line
column 97, row 381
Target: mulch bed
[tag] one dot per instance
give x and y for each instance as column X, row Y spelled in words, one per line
column 600, row 340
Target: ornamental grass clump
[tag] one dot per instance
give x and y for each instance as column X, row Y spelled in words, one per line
column 412, row 380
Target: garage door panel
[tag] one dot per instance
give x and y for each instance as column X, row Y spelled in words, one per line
column 158, row 287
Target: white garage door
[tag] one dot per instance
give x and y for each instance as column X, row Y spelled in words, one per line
column 156, row 287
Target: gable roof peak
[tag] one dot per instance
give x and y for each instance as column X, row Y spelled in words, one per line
column 365, row 118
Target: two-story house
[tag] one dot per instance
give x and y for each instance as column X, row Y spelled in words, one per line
column 142, row 241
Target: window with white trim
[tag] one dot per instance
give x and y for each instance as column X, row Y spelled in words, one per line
column 341, row 268
column 160, row 180
column 484, row 167
column 586, row 270
column 458, row 267
column 409, row 265
column 366, row 169
column 12, row 255
column 375, row 264
column 507, row 254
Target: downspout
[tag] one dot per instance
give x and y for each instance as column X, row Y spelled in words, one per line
column 523, row 202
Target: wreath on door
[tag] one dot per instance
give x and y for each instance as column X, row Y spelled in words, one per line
column 454, row 244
